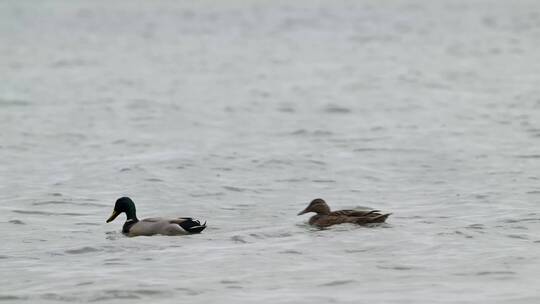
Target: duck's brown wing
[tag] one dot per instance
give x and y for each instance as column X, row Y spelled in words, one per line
column 330, row 220
column 372, row 218
column 355, row 213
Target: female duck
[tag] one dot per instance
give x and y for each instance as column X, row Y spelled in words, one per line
column 151, row 226
column 325, row 217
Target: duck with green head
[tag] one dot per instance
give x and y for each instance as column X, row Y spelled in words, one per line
column 151, row 226
column 325, row 218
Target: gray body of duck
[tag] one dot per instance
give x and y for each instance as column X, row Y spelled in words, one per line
column 325, row 217
column 153, row 226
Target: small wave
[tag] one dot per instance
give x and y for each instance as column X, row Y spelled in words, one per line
column 228, row 208
column 391, row 150
column 368, row 149
column 114, row 264
column 322, row 133
column 312, row 133
column 475, row 226
column 58, row 297
column 518, row 236
column 229, row 282
column 14, row 103
column 235, row 207
column 69, row 202
column 484, row 273
column 243, row 205
column 89, row 199
column 334, row 109
column 68, row 63
column 286, row 110
column 338, row 282
column 115, row 294
column 273, row 162
column 299, row 132
column 234, row 287
column 357, row 250
column 87, row 224
column 290, row 252
column 222, row 169
column 528, row 156
column 189, row 291
column 206, row 194
column 17, row 222
column 291, row 180
column 235, row 189
column 113, row 235
column 323, row 181
column 11, row 298
column 51, row 203
column 149, row 292
column 457, row 232
column 513, row 221
column 395, row 267
column 184, row 166
column 48, row 213
column 82, row 250
column 238, row 239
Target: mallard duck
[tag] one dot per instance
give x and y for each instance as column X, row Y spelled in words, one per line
column 326, row 218
column 151, row 226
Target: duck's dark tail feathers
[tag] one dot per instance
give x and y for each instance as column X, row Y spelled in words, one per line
column 192, row 226
column 381, row 218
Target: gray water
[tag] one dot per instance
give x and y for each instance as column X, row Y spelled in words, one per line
column 241, row 112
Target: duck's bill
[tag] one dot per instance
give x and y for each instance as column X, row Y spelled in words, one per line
column 302, row 212
column 113, row 216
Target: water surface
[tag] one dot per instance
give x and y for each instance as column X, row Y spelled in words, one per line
column 240, row 113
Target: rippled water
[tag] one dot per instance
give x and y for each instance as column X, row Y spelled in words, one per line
column 240, row 113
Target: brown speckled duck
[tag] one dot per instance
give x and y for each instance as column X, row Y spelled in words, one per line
column 325, row 217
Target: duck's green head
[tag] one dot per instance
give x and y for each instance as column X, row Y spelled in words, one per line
column 123, row 204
